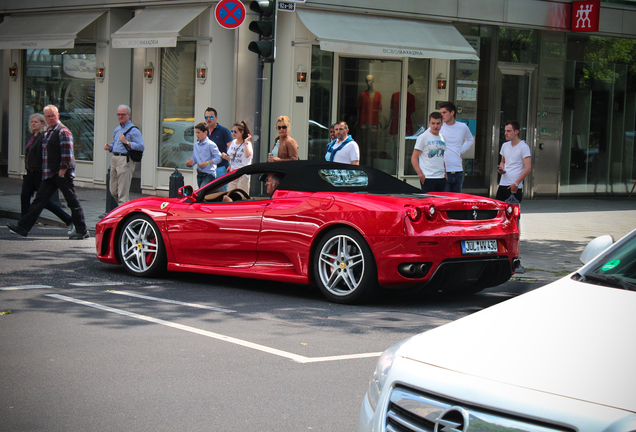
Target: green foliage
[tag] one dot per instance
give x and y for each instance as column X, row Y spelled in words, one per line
column 603, row 53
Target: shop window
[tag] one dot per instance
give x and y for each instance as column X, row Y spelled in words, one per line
column 416, row 109
column 64, row 78
column 364, row 100
column 469, row 90
column 599, row 115
column 176, row 106
column 320, row 103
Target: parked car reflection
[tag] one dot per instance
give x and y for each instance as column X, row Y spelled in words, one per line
column 177, row 141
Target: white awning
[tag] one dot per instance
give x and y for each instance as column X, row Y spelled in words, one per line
column 386, row 37
column 156, row 27
column 44, row 31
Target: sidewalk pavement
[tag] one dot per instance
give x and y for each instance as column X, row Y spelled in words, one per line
column 554, row 232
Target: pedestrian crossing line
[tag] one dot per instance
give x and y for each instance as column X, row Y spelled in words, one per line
column 291, row 356
column 194, row 305
column 25, row 287
column 94, row 284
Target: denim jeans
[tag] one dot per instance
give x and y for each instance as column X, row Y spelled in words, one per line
column 454, row 181
column 433, row 185
column 204, row 178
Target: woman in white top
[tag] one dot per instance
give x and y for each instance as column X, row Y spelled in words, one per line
column 240, row 154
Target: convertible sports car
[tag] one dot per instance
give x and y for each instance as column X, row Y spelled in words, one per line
column 348, row 229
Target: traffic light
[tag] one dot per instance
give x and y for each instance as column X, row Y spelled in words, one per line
column 265, row 26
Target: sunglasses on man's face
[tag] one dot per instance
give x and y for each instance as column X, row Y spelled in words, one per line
column 209, row 117
column 282, row 127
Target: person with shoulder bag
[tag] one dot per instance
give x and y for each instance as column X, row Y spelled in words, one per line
column 127, row 147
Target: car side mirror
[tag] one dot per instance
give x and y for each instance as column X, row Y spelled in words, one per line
column 187, row 192
column 595, row 247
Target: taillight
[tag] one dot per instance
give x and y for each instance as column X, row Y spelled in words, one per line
column 413, row 213
column 430, row 211
column 512, row 211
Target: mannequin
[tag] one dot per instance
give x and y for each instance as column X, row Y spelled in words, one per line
column 369, row 105
column 394, row 120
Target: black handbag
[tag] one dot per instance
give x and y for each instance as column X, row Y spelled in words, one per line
column 134, row 155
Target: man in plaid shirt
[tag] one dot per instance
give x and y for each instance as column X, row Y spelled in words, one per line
column 58, row 165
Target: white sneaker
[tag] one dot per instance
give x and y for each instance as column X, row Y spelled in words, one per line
column 71, row 229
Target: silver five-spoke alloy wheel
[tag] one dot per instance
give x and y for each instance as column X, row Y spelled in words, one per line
column 140, row 246
column 341, row 265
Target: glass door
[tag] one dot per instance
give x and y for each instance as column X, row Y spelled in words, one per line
column 515, row 96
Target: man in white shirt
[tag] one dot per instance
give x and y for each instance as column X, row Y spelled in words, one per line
column 428, row 156
column 458, row 139
column 343, row 149
column 515, row 163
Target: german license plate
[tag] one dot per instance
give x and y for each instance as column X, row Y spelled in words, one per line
column 474, row 247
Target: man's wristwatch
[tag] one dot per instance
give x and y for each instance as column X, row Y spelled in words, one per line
column 516, row 185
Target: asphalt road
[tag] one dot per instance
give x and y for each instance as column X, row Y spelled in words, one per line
column 86, row 347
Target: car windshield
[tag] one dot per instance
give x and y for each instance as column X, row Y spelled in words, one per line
column 616, row 269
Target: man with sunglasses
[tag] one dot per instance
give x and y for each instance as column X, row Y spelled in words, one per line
column 122, row 167
column 220, row 136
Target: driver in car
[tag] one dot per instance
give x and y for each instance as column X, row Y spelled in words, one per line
column 271, row 184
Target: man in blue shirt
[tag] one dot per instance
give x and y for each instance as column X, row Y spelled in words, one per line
column 122, row 166
column 205, row 155
column 220, row 136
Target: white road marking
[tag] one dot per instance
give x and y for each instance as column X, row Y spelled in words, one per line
column 91, row 284
column 24, row 287
column 291, row 356
column 194, row 305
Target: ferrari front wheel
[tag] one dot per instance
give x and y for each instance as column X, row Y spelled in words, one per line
column 141, row 247
column 344, row 267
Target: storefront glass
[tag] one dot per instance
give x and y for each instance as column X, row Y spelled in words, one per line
column 599, row 116
column 176, row 106
column 416, row 109
column 365, row 90
column 64, row 78
column 320, row 102
column 470, row 91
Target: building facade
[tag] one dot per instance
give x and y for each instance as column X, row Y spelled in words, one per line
column 382, row 67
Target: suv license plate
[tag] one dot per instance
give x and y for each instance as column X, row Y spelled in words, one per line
column 473, row 247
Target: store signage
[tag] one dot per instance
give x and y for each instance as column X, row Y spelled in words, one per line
column 229, row 13
column 79, row 68
column 152, row 42
column 585, row 15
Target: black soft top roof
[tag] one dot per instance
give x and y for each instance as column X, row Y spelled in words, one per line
column 305, row 176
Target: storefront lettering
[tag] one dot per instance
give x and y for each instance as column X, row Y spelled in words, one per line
column 402, row 52
column 149, row 42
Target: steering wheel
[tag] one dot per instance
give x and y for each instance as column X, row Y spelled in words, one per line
column 242, row 195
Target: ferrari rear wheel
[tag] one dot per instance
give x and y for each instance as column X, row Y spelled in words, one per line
column 344, row 267
column 141, row 247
